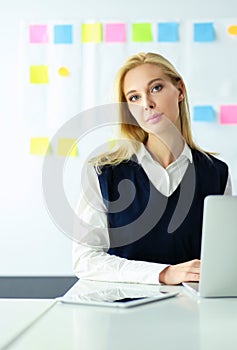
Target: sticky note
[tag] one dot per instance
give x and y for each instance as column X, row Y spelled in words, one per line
column 114, row 32
column 67, row 147
column 203, row 113
column 38, row 74
column 63, row 34
column 91, row 32
column 141, row 32
column 203, row 32
column 39, row 145
column 228, row 114
column 232, row 30
column 38, row 34
column 111, row 143
column 63, row 72
column 168, row 32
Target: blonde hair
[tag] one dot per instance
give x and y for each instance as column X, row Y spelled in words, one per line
column 131, row 133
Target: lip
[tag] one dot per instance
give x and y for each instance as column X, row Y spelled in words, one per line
column 154, row 117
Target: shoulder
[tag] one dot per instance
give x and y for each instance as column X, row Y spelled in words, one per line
column 122, row 166
column 210, row 169
column 209, row 160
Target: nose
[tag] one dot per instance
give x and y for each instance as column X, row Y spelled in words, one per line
column 149, row 104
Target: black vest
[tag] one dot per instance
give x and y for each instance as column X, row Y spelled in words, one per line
column 148, row 226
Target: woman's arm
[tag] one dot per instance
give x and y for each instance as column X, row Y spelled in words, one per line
column 91, row 243
column 89, row 263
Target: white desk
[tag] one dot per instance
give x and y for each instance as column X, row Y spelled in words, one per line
column 183, row 322
column 16, row 315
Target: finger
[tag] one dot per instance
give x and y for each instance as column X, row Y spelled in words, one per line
column 192, row 277
column 191, row 269
column 194, row 263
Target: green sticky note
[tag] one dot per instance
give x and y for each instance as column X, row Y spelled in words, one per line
column 91, row 32
column 141, row 32
column 39, row 75
column 67, row 147
column 39, row 145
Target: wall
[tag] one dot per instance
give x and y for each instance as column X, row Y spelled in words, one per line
column 30, row 242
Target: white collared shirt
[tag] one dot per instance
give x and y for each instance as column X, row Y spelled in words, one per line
column 90, row 257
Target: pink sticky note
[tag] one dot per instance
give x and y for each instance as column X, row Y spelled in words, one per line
column 38, row 34
column 114, row 32
column 228, row 114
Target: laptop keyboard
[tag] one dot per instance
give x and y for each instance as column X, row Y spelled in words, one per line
column 192, row 286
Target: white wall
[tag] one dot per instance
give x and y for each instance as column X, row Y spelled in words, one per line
column 30, row 243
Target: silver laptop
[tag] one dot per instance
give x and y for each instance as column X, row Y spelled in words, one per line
column 218, row 276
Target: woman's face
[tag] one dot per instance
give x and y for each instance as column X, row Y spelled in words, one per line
column 152, row 98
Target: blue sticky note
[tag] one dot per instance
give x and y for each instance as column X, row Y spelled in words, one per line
column 203, row 32
column 203, row 113
column 168, row 32
column 63, row 34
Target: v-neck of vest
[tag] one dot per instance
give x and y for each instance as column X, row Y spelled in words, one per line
column 173, row 194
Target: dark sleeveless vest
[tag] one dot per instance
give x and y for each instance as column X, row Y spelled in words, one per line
column 148, row 226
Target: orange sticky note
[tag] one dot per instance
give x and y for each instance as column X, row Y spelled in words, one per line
column 67, row 147
column 39, row 145
column 232, row 29
column 63, row 72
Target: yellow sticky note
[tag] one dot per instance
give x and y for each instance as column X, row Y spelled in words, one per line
column 232, row 30
column 39, row 75
column 39, row 145
column 111, row 143
column 91, row 32
column 67, row 147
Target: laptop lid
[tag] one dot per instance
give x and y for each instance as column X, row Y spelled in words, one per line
column 219, row 247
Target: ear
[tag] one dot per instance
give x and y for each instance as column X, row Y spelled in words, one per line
column 180, row 87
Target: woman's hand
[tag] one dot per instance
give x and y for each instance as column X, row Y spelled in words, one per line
column 185, row 272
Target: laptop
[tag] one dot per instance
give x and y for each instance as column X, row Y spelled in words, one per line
column 218, row 275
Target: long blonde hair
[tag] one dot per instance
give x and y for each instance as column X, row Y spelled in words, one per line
column 130, row 132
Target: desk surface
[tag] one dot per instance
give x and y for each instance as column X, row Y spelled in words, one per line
column 18, row 314
column 183, row 322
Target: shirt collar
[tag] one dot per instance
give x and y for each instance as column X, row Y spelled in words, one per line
column 143, row 152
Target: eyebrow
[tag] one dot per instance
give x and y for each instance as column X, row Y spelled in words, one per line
column 150, row 82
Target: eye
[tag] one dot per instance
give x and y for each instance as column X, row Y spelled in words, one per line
column 133, row 98
column 156, row 88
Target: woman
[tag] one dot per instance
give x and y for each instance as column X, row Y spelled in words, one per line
column 148, row 194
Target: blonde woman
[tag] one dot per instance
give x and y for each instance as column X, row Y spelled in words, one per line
column 144, row 218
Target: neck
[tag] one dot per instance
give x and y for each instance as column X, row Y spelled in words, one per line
column 165, row 149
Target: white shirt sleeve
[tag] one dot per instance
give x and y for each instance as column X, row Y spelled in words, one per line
column 228, row 188
column 91, row 243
